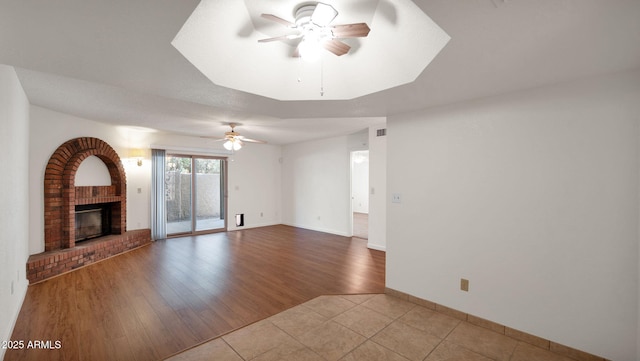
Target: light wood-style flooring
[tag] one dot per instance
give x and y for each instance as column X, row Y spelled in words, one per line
column 157, row 300
column 361, row 225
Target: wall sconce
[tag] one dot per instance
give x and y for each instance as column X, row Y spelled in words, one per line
column 137, row 154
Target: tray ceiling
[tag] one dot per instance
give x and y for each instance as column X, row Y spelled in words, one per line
column 221, row 38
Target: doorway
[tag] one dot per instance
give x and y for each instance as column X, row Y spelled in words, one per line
column 195, row 196
column 360, row 193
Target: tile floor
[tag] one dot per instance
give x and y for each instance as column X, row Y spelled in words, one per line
column 367, row 328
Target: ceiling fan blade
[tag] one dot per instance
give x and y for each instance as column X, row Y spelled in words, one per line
column 283, row 37
column 278, row 19
column 323, row 14
column 215, row 139
column 253, row 140
column 272, row 39
column 358, row 30
column 336, row 46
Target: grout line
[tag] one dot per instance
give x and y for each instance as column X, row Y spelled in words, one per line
column 231, row 347
column 444, row 338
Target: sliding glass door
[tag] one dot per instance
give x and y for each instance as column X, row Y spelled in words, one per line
column 195, row 194
column 209, row 205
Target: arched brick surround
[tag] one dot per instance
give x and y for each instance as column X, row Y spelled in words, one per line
column 61, row 195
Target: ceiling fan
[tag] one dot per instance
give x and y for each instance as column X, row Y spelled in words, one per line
column 313, row 27
column 233, row 140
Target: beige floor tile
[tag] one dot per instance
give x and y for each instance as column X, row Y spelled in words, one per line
column 483, row 341
column 407, row 341
column 526, row 352
column 332, row 340
column 298, row 320
column 257, row 339
column 303, row 354
column 293, row 351
column 433, row 322
column 358, row 298
column 213, row 350
column 371, row 351
column 363, row 320
column 329, row 306
column 448, row 351
column 389, row 306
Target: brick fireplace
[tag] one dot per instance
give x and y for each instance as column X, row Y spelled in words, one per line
column 64, row 202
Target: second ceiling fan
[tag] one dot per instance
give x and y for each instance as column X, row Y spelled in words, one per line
column 313, row 28
column 233, row 140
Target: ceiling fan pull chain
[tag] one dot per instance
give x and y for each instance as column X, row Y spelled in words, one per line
column 321, row 76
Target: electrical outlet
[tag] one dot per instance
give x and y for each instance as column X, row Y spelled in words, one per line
column 396, row 198
column 464, row 285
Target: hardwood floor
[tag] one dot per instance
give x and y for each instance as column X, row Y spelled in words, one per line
column 361, row 225
column 160, row 299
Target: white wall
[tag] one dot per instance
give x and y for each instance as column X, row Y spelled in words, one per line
column 533, row 197
column 316, row 185
column 255, row 186
column 92, row 172
column 14, row 197
column 377, row 189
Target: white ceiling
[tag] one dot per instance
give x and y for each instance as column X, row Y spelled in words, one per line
column 112, row 61
column 212, row 42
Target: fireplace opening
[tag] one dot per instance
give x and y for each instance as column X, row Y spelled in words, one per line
column 92, row 221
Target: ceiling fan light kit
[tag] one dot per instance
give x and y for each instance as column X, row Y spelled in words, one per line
column 310, row 48
column 313, row 25
column 232, row 144
column 233, row 140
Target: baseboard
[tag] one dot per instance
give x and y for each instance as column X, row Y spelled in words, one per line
column 235, row 228
column 318, row 229
column 377, row 247
column 540, row 342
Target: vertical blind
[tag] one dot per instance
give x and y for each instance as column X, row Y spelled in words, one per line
column 158, row 212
